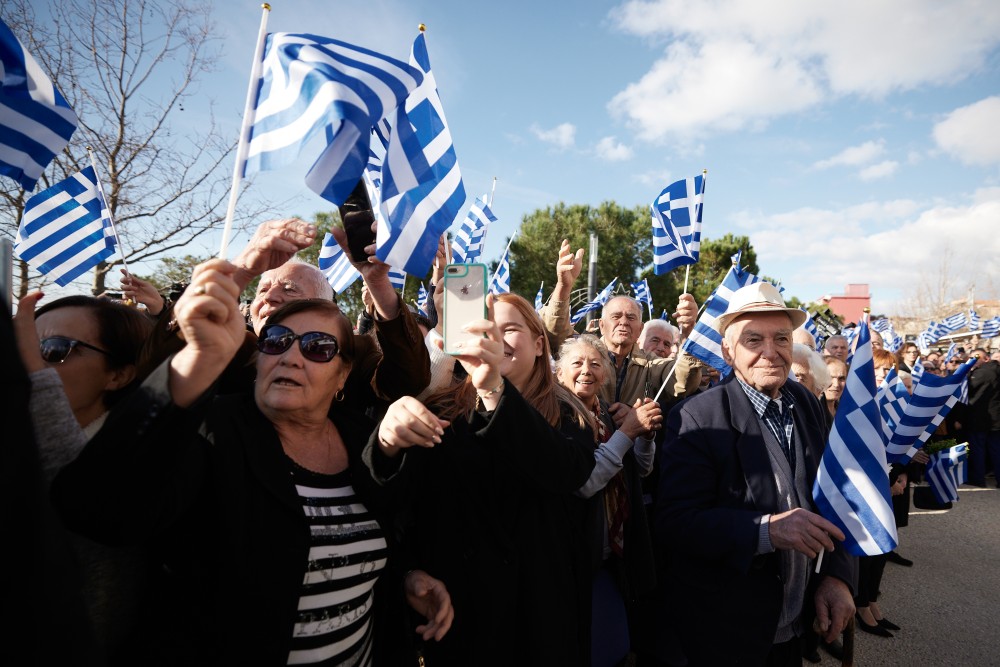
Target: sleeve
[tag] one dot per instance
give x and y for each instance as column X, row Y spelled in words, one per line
column 59, row 436
column 644, row 451
column 402, row 368
column 555, row 318
column 142, row 470
column 607, row 463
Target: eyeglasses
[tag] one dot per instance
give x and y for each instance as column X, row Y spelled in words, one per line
column 55, row 349
column 314, row 345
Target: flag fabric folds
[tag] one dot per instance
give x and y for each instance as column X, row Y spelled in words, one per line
column 892, row 397
column 932, row 399
column 705, row 342
column 917, row 371
column 336, row 265
column 422, row 300
column 397, row 278
column 950, row 354
column 991, row 328
column 975, row 321
column 422, row 190
column 598, row 302
column 852, row 484
column 955, row 322
column 320, row 88
column 500, row 282
column 36, row 122
column 539, row 301
column 676, row 215
column 812, row 329
column 642, row 294
column 946, row 471
column 66, row 229
column 467, row 246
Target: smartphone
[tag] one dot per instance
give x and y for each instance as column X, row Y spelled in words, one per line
column 357, row 215
column 464, row 301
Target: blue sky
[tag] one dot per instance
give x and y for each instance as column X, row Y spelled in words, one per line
column 854, row 142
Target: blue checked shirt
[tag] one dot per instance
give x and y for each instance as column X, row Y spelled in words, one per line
column 777, row 414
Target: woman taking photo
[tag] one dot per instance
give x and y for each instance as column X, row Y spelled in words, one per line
column 488, row 469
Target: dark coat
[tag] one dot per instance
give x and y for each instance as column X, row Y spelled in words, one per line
column 716, row 483
column 493, row 515
column 211, row 488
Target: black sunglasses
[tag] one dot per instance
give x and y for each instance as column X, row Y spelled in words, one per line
column 55, row 349
column 314, row 345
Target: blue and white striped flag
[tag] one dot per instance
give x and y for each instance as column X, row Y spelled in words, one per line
column 949, row 355
column 811, row 328
column 676, row 215
column 422, row 189
column 66, row 229
column 924, row 341
column 598, row 302
column 975, row 321
column 397, row 278
column 955, row 322
column 500, row 282
column 917, row 371
column 705, row 341
column 946, row 471
column 852, row 483
column 467, row 246
column 892, row 397
column 35, row 120
column 663, row 315
column 931, row 401
column 991, row 328
column 422, row 300
column 336, row 265
column 642, row 294
column 539, row 301
column 321, row 88
column 850, row 333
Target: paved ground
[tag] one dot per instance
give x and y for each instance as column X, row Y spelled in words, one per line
column 948, row 603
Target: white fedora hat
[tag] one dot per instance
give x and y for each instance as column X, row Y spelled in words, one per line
column 760, row 297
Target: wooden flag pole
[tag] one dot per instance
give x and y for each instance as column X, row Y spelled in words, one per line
column 243, row 146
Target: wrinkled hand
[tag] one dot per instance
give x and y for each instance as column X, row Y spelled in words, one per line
column 430, row 598
column 834, row 608
column 619, row 413
column 643, row 419
column 140, row 291
column 569, row 264
column 686, row 314
column 26, row 334
column 409, row 423
column 273, row 243
column 921, row 456
column 803, row 531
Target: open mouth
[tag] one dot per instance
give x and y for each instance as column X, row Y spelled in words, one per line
column 286, row 382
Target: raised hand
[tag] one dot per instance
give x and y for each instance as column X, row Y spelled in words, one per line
column 686, row 314
column 26, row 334
column 273, row 243
column 140, row 291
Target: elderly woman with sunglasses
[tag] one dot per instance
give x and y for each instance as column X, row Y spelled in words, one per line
column 81, row 353
column 274, row 543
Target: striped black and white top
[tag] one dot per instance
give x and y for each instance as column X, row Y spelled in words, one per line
column 347, row 553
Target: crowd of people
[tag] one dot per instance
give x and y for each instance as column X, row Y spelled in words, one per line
column 284, row 486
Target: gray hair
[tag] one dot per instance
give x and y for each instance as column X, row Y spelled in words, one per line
column 813, row 360
column 583, row 341
column 658, row 325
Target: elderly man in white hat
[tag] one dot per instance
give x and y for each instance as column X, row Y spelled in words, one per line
column 735, row 508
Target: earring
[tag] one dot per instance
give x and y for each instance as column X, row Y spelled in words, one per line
column 339, row 395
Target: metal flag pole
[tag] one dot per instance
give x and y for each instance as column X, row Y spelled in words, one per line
column 242, row 148
column 104, row 200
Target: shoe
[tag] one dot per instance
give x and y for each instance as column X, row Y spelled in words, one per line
column 871, row 629
column 887, row 624
column 894, row 557
column 834, row 648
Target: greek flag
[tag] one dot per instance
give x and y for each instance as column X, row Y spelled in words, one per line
column 336, row 265
column 500, row 282
column 467, row 246
column 924, row 341
column 598, row 302
column 975, row 321
column 663, row 315
column 422, row 300
column 946, row 471
column 539, row 302
column 422, row 189
column 850, row 333
column 811, row 328
column 397, row 278
column 950, row 354
column 852, row 483
column 676, row 214
column 891, row 397
column 917, row 371
column 320, row 88
column 991, row 328
column 643, row 295
column 66, row 229
column 35, row 120
column 955, row 322
column 933, row 398
column 705, row 341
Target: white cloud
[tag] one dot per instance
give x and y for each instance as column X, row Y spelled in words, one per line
column 888, row 245
column 969, row 134
column 609, row 149
column 562, row 136
column 731, row 64
column 877, row 171
column 854, row 156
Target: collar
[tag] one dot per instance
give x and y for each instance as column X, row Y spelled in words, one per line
column 761, row 400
